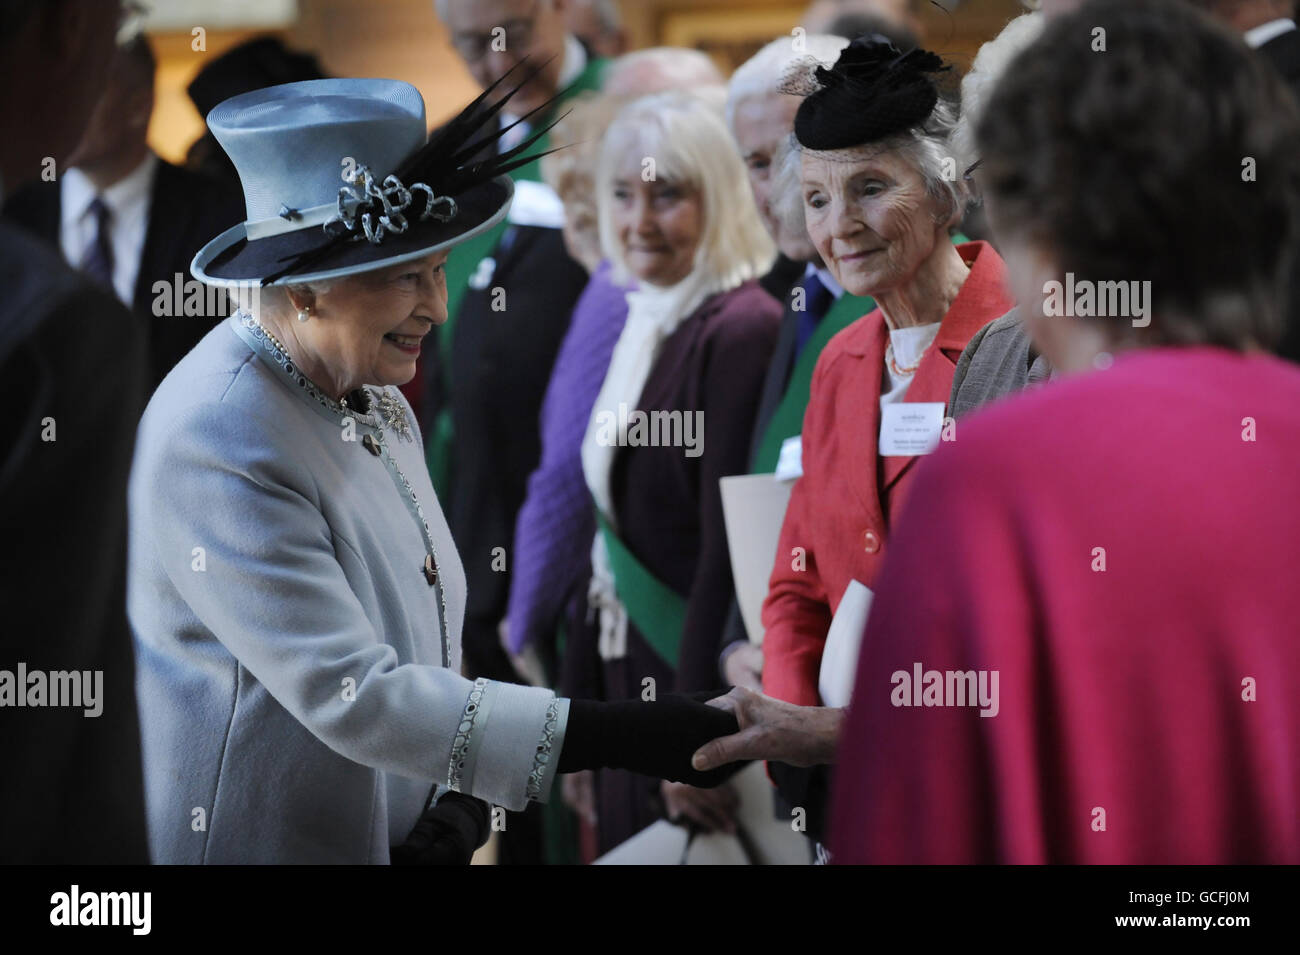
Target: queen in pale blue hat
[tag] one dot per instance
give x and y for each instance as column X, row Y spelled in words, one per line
column 293, row 588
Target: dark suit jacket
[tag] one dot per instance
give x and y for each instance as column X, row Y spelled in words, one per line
column 502, row 361
column 73, row 359
column 1284, row 53
column 782, row 276
column 186, row 210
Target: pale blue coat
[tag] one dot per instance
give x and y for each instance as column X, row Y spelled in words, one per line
column 299, row 690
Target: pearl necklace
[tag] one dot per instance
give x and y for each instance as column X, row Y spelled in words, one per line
column 895, row 367
column 274, row 341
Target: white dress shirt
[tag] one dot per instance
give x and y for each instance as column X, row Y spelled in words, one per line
column 128, row 202
column 824, row 276
column 1258, row 36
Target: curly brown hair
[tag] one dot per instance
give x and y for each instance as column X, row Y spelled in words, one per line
column 1144, row 141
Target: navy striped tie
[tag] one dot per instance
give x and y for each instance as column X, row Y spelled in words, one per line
column 817, row 302
column 98, row 259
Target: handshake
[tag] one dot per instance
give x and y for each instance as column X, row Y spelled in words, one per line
column 676, row 738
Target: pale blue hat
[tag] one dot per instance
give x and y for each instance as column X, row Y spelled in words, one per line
column 319, row 162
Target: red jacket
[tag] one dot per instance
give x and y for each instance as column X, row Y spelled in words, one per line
column 1147, row 712
column 841, row 509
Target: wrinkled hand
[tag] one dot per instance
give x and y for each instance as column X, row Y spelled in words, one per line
column 579, row 792
column 709, row 809
column 772, row 729
column 744, row 667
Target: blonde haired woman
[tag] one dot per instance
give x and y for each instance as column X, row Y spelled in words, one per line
column 673, row 416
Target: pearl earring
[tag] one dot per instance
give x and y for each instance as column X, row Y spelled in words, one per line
column 304, row 314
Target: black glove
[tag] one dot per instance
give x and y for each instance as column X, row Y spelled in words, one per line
column 447, row 833
column 655, row 739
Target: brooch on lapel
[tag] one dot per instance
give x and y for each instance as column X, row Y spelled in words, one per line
column 393, row 414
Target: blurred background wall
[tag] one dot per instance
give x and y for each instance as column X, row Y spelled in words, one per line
column 402, row 39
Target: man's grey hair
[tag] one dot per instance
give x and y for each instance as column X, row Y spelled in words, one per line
column 658, row 69
column 762, row 74
column 978, row 84
column 785, row 197
column 607, row 13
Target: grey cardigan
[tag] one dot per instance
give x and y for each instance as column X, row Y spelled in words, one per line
column 998, row 360
column 297, row 670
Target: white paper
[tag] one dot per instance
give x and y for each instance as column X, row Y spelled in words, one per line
column 753, row 507
column 790, row 464
column 775, row 841
column 908, row 429
column 843, row 641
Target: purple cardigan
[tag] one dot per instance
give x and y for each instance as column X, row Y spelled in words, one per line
column 555, row 526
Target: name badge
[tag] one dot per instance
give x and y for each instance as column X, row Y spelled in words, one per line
column 910, row 429
column 790, row 464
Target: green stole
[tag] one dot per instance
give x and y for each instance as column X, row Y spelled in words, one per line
column 658, row 611
column 787, row 419
column 463, row 261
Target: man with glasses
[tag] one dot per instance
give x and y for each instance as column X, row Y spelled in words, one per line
column 510, row 293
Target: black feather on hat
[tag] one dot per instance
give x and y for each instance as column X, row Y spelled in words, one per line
column 874, row 90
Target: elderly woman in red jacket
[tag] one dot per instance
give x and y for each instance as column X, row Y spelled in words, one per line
column 1112, row 557
column 879, row 209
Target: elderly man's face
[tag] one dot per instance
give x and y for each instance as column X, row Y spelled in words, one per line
column 870, row 218
column 492, row 36
column 366, row 329
column 760, row 124
column 658, row 225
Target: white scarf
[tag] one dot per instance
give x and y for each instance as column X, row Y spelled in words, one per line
column 653, row 314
